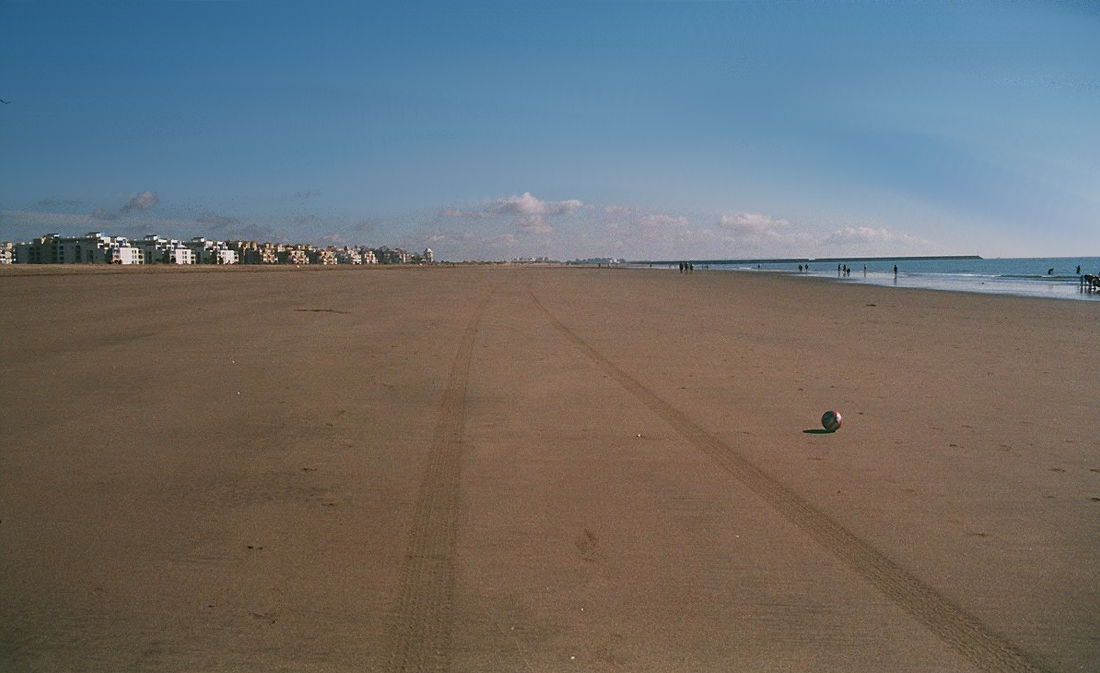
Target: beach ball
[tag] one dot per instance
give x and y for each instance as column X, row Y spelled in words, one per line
column 831, row 420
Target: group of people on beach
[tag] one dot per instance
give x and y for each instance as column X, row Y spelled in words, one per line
column 686, row 267
column 842, row 270
column 1087, row 282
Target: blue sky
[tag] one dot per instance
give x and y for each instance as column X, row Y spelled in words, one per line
column 494, row 130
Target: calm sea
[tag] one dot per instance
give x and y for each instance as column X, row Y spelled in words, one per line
column 1052, row 277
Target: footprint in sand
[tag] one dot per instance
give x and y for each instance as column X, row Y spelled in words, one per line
column 586, row 543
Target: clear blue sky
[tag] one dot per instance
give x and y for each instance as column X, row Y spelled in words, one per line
column 493, row 130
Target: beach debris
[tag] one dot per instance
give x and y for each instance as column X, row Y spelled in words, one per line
column 831, row 420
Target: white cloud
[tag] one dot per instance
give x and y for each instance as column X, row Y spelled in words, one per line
column 535, row 224
column 143, row 201
column 759, row 234
column 529, row 205
column 532, row 214
column 662, row 220
column 859, row 235
column 753, row 225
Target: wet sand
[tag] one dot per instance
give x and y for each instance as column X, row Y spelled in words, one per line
column 542, row 469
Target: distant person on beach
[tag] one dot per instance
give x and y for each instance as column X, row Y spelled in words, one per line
column 1078, row 272
column 895, row 272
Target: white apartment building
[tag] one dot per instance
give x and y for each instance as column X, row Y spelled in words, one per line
column 154, row 248
column 325, row 256
column 125, row 253
column 348, row 256
column 212, row 252
column 223, row 254
column 91, row 248
column 179, row 255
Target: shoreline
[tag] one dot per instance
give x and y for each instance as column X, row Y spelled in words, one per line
column 1039, row 288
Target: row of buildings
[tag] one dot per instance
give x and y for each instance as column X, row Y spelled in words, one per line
column 98, row 248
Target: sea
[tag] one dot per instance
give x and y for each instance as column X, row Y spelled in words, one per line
column 1047, row 277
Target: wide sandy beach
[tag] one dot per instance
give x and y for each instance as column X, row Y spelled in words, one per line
column 505, row 468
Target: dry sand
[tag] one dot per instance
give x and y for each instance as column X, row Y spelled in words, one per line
column 542, row 469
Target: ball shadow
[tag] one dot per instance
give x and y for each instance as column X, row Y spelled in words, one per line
column 818, row 431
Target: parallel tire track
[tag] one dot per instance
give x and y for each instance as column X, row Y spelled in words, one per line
column 985, row 649
column 420, row 628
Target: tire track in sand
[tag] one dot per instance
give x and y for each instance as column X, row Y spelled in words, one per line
column 963, row 632
column 420, row 628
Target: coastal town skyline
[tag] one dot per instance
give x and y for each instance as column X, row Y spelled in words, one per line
column 570, row 130
column 96, row 247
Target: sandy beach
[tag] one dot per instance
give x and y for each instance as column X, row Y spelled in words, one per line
column 499, row 468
